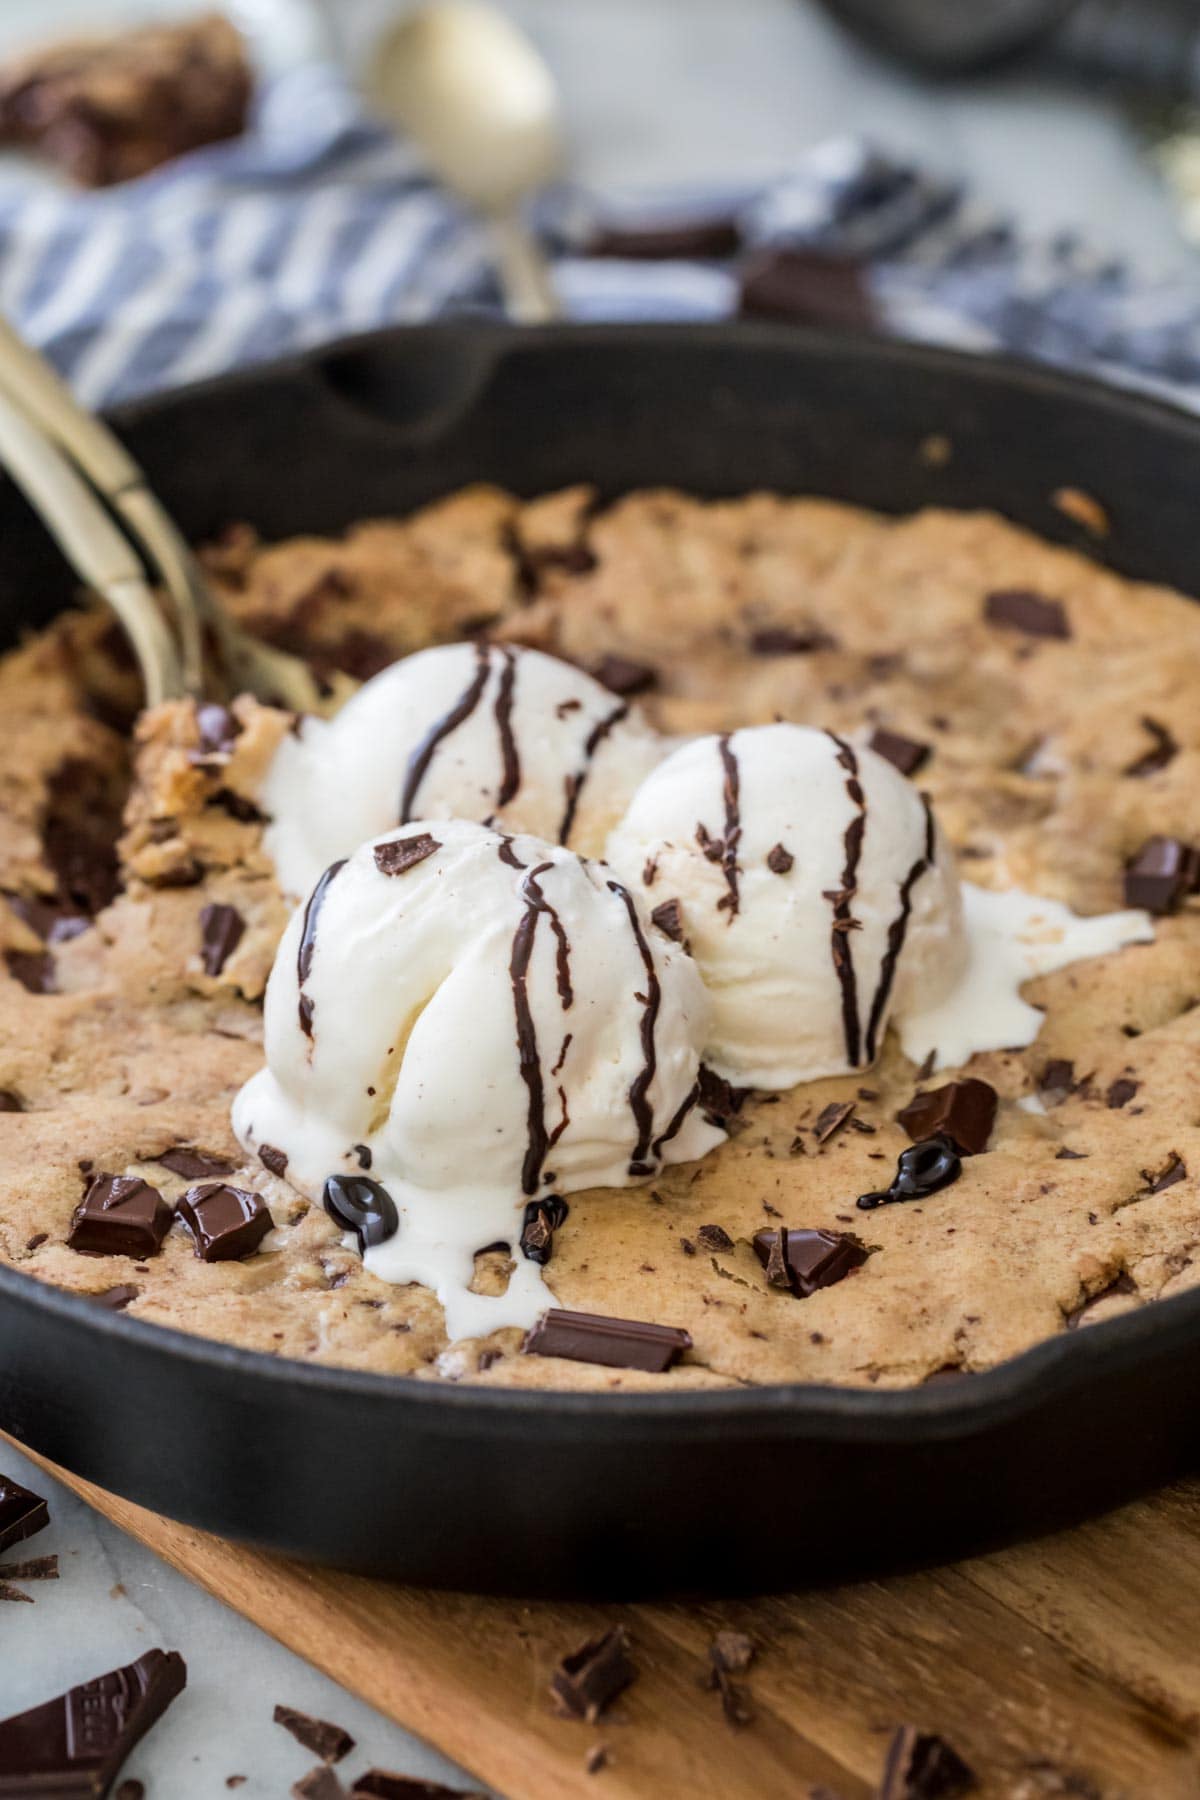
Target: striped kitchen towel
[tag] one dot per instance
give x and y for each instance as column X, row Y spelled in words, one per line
column 318, row 223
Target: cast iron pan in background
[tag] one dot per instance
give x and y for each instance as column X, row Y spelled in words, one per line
column 556, row 1493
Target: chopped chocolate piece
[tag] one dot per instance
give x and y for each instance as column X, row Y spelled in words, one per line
column 116, row 1299
column 1065, row 1155
column 53, row 923
column 1057, row 1080
column 274, row 1160
column 803, row 1260
column 596, row 1759
column 720, row 1101
column 808, row 285
column 80, row 829
column 1122, row 1283
column 192, row 1164
column 922, row 1766
column 692, row 240
column 588, row 1680
column 37, row 1240
column 1162, row 875
column 34, row 969
column 221, row 931
column 904, row 753
column 226, row 1223
column 831, row 1118
column 732, row 1650
column 362, row 1206
column 15, row 1595
column 381, row 1784
column 402, row 854
column 1163, row 751
column 9, row 1102
column 319, row 1784
column 37, row 1568
column 964, row 1111
column 779, row 640
column 238, row 807
column 22, row 1514
column 363, row 1153
column 779, row 860
column 74, row 1745
column 1173, row 1170
column 669, row 919
column 542, row 1220
column 714, row 1237
column 617, row 1343
column 1023, row 610
column 922, row 1169
column 327, row 1741
column 218, row 732
column 621, row 675
column 119, row 1215
column 1120, row 1093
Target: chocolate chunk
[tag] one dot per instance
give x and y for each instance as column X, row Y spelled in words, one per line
column 1120, row 1284
column 714, row 1237
column 1057, row 1080
column 119, row 1215
column 922, row 1169
column 327, row 1741
column 922, row 1766
column 319, row 1784
column 720, row 1101
column 1162, row 875
column 621, row 675
column 10, row 1102
column 1022, row 610
column 192, row 1164
column 669, row 919
column 1163, row 751
column 218, row 729
column 362, row 1206
column 401, row 854
column 831, row 1118
column 221, row 931
column 542, row 1220
column 803, row 1261
column 617, row 1343
column 1173, row 1170
column 904, row 753
column 689, row 240
column 226, row 1223
column 34, row 969
column 381, row 1784
column 74, row 1745
column 273, row 1159
column 1120, row 1093
column 53, row 923
column 588, row 1680
column 238, row 807
column 116, row 1299
column 22, row 1514
column 808, row 285
column 964, row 1111
column 79, row 833
column 779, row 860
column 779, row 640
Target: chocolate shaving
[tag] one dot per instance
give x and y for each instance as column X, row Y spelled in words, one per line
column 922, row 1766
column 719, row 1100
column 1120, row 1284
column 588, row 1680
column 226, row 1223
column 831, row 1118
column 327, row 1741
column 319, row 1784
column 1173, row 1170
column 1020, row 609
column 781, row 640
column 116, row 1299
column 381, row 1784
column 669, row 919
column 192, row 1164
column 274, row 1160
column 38, row 1568
column 905, row 754
column 780, row 860
column 714, row 1237
column 22, row 1513
column 1162, row 875
column 221, row 931
column 401, row 854
column 1065, row 1155
column 803, row 1260
column 119, row 1215
column 615, row 1343
column 621, row 675
column 1164, row 750
column 74, row 1744
column 1120, row 1093
column 964, row 1111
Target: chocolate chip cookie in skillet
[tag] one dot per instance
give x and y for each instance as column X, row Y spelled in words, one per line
column 730, row 942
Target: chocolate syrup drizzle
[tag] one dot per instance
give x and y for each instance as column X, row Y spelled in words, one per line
column 842, row 898
column 639, row 1101
column 732, row 793
column 574, row 783
column 423, row 755
column 308, row 942
column 536, row 907
column 676, row 1125
column 897, row 931
column 509, row 756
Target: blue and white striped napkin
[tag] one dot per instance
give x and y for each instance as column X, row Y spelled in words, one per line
column 318, row 223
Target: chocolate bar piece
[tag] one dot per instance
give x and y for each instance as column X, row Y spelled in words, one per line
column 617, row 1343
column 22, row 1514
column 119, row 1215
column 226, row 1223
column 71, row 1747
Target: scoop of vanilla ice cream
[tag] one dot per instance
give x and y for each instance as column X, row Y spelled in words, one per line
column 481, row 1020
column 814, row 892
column 470, row 731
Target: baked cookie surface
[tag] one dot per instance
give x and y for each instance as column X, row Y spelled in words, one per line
column 136, row 953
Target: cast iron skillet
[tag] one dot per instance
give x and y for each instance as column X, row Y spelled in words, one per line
column 559, row 1493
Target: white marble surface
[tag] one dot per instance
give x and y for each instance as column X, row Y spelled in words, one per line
column 657, row 90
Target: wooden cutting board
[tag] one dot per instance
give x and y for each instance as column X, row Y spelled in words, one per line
column 1066, row 1667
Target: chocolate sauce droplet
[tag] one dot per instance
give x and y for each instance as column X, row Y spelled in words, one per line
column 922, row 1169
column 362, row 1206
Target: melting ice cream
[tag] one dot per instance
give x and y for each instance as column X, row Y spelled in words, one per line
column 472, row 731
column 482, row 1020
